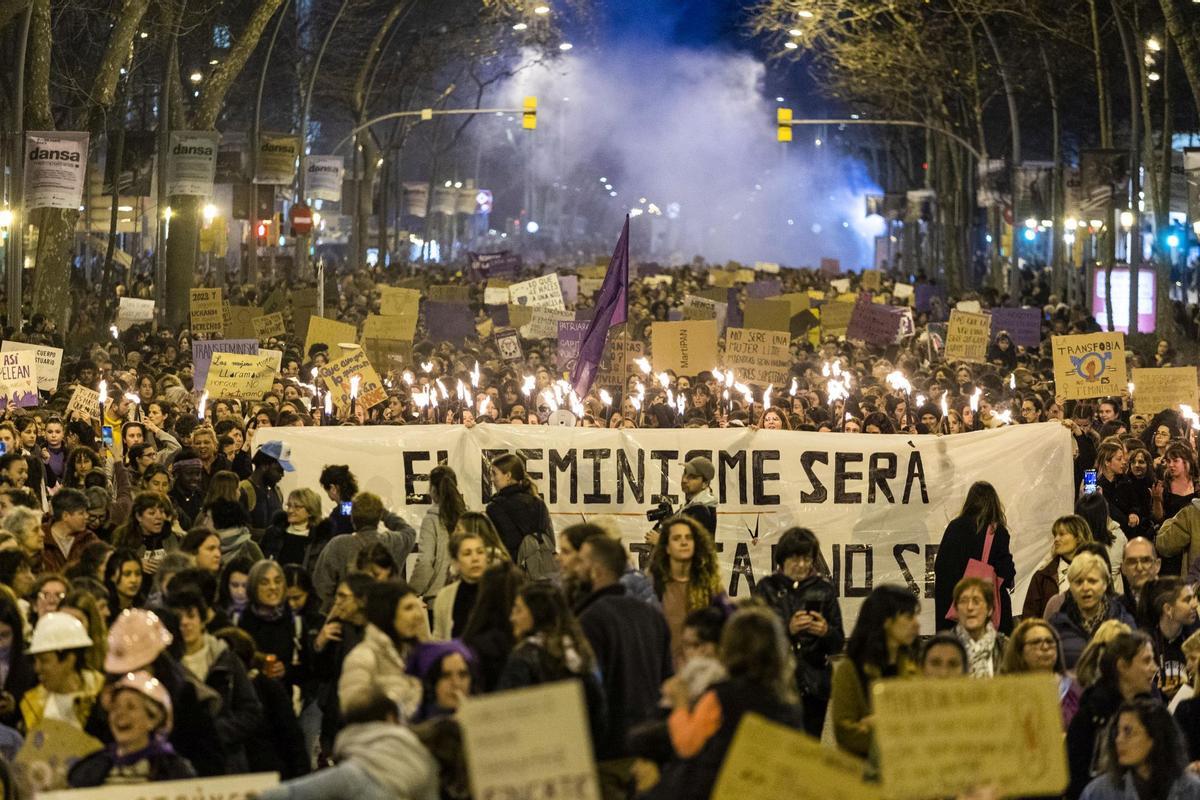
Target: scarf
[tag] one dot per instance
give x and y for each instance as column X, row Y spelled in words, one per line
column 570, row 656
column 233, row 538
column 391, row 755
column 979, row 652
column 159, row 746
column 298, row 530
column 269, row 613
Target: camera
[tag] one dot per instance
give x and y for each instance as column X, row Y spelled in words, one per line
column 659, row 512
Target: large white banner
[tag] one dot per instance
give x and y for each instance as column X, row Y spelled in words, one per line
column 192, row 162
column 55, row 169
column 323, row 178
column 879, row 504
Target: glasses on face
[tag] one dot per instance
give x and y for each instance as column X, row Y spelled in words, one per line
column 1046, row 642
column 44, row 595
column 1140, row 563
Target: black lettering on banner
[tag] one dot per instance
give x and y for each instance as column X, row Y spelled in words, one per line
column 486, row 456
column 879, row 476
column 898, row 552
column 835, row 568
column 869, row 562
column 664, row 493
column 597, row 455
column 411, row 457
column 916, row 471
column 532, row 454
column 840, row 476
column 728, row 461
column 637, row 486
column 761, row 457
column 560, row 463
column 819, row 493
column 931, row 551
column 642, row 551
column 741, row 566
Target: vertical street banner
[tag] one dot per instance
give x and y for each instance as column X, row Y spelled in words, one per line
column 1089, row 365
column 416, row 198
column 55, row 169
column 323, row 178
column 277, row 154
column 192, row 162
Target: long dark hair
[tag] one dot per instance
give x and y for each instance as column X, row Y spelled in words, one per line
column 498, row 588
column 1154, row 595
column 983, row 506
column 1094, row 508
column 112, row 573
column 704, row 577
column 1123, row 647
column 444, row 485
column 514, row 466
column 755, row 647
column 1167, row 758
column 10, row 615
column 382, row 600
column 559, row 629
column 868, row 642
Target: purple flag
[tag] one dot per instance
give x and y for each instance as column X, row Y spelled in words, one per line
column 612, row 304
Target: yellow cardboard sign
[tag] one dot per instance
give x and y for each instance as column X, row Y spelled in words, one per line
column 759, row 357
column 395, row 302
column 239, row 321
column 1089, row 365
column 685, row 347
column 1162, row 388
column 239, row 375
column 835, row 318
column 768, row 761
column 722, row 278
column 336, row 375
column 967, row 336
column 940, row 737
column 401, row 327
column 329, row 332
column 872, row 280
column 269, row 325
column 207, row 313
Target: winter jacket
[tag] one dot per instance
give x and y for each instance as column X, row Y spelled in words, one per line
column 531, row 664
column 237, row 542
column 338, row 557
column 432, row 569
column 280, row 544
column 1042, row 586
column 287, row 637
column 165, row 765
column 961, row 542
column 850, row 699
column 1086, row 732
column 517, row 512
column 33, row 704
column 377, row 664
column 1187, row 787
column 54, row 559
column 1180, row 536
column 1074, row 638
column 277, row 741
column 813, row 654
column 703, row 509
column 241, row 712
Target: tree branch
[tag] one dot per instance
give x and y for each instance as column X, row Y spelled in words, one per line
column 222, row 78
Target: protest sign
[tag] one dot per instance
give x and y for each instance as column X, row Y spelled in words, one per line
column 760, row 357
column 570, row 338
column 509, row 753
column 228, row 787
column 495, row 295
column 132, row 311
column 840, row 285
column 619, row 359
column 387, row 352
column 401, row 328
column 770, row 314
column 1089, row 365
column 970, row 306
column 330, row 333
column 569, row 286
column 874, row 324
column 84, row 404
column 236, row 375
column 872, row 280
column 696, row 307
column 18, row 379
column 722, row 279
column 684, row 347
column 902, row 291
column 744, row 275
column 769, row 287
column 967, row 336
column 276, row 357
column 336, row 375
column 207, row 315
column 49, row 752
column 940, row 737
column 769, row 761
column 451, row 322
column 1163, row 388
column 304, row 306
column 396, row 302
column 239, row 321
column 495, row 264
column 835, row 318
column 769, row 267
column 202, row 353
column 509, row 345
column 543, row 292
column 449, row 293
column 49, row 361
column 543, row 322
column 589, row 286
column 1024, row 325
column 268, row 325
column 830, row 266
column 595, row 272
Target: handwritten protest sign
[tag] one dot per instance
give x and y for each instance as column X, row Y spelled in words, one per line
column 207, row 314
column 49, row 361
column 722, row 278
column 1089, row 365
column 769, row 761
column 840, row 285
column 132, row 311
column 744, row 275
column 872, row 280
column 594, row 272
column 685, row 347
column 570, row 338
column 835, row 318
column 543, row 292
column 85, row 403
column 336, row 375
column 237, row 375
column 1024, row 325
column 229, row 787
column 874, row 323
column 448, row 293
column 620, row 358
column 967, row 336
column 394, row 302
column 239, row 321
column 18, row 379
column 937, row 738
column 697, row 307
column 202, row 355
column 970, row 306
column 769, row 267
column 902, row 291
column 495, row 295
column 328, row 332
column 269, row 325
column 49, row 752
column 758, row 356
column 1165, row 387
column 543, row 322
column 509, row 753
column 276, row 358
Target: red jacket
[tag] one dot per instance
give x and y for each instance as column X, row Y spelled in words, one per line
column 53, row 558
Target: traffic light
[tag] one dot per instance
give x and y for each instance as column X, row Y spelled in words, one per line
column 783, row 118
column 264, row 227
column 529, row 118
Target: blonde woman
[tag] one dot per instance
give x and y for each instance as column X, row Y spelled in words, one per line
column 1087, row 605
column 1067, row 534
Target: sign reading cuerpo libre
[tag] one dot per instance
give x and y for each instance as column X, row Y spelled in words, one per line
column 323, row 178
column 55, row 168
column 230, row 787
column 1089, row 365
column 509, row 753
column 967, row 336
column 939, row 737
column 1165, row 387
column 49, row 361
column 18, row 379
column 759, row 357
column 684, row 347
column 207, row 311
column 192, row 162
column 277, row 154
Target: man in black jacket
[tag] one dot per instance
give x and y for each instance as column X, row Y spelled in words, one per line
column 632, row 646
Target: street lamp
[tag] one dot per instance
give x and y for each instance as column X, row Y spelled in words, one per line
column 210, row 213
column 541, row 10
column 6, row 217
column 195, row 77
column 1126, row 219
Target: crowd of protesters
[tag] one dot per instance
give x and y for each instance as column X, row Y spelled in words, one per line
column 159, row 592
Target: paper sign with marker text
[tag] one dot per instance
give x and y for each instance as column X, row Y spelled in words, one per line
column 757, row 356
column 543, row 292
column 1089, row 365
column 1163, row 388
column 967, row 336
column 684, row 347
column 207, row 313
column 49, row 361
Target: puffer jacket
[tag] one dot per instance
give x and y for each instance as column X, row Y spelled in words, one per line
column 377, row 663
column 813, row 654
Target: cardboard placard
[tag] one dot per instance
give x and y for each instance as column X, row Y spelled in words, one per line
column 722, row 279
column 685, row 347
column 594, row 272
column 449, row 293
column 543, row 322
column 841, row 285
column 967, row 336
column 1024, row 325
column 231, row 787
column 940, row 737
column 569, row 286
column 970, row 306
column 329, row 332
column 509, row 345
column 769, row 761
column 902, row 291
column 276, row 357
column 1156, row 389
column 874, row 323
column 49, row 361
column 387, row 352
column 395, row 302
column 835, row 318
column 769, row 267
column 589, row 286
column 509, row 754
column 49, row 752
column 570, row 338
column 1089, row 365
column 696, row 307
column 451, row 322
column 761, row 357
column 872, row 280
column 207, row 314
column 744, row 275
column 268, row 326
column 239, row 321
column 236, row 375
column 18, row 379
column 132, row 311
column 619, row 360
column 85, row 404
column 768, row 314
column 770, row 287
column 495, row 295
column 400, row 328
column 543, row 292
column 336, row 376
column 202, row 355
